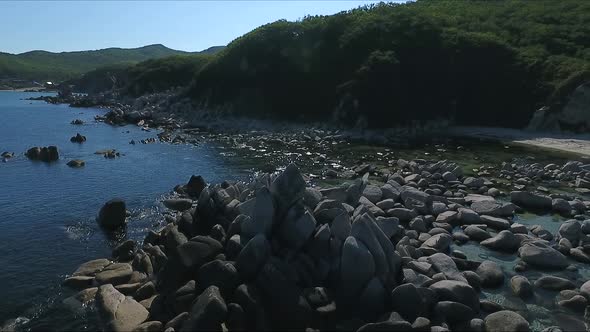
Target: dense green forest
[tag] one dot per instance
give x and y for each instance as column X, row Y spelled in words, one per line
column 149, row 76
column 473, row 62
column 477, row 62
column 41, row 65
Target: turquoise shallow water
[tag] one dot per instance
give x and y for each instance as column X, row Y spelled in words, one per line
column 47, row 211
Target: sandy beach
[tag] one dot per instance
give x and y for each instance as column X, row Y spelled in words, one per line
column 574, row 143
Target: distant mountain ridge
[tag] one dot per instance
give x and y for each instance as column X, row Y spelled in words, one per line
column 43, row 65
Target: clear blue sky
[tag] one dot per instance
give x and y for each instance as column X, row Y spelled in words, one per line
column 185, row 25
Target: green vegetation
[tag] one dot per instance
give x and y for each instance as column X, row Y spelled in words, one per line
column 42, row 66
column 150, row 76
column 475, row 62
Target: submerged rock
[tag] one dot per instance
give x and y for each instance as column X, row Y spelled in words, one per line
column 76, row 163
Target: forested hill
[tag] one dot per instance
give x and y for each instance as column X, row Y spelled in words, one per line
column 42, row 65
column 471, row 62
column 477, row 62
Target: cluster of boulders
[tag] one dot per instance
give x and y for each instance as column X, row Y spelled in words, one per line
column 276, row 254
column 523, row 174
column 78, row 138
column 109, row 153
column 46, row 154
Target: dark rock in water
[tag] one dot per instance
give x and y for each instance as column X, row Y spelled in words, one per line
column 178, row 204
column 124, row 251
column 453, row 312
column 76, row 163
column 207, row 313
column 77, row 122
column 78, row 138
column 554, row 283
column 521, row 286
column 7, row 155
column 531, row 200
column 491, row 274
column 506, row 321
column 503, row 241
column 46, row 154
column 117, row 312
column 542, row 255
column 195, row 185
column 112, row 214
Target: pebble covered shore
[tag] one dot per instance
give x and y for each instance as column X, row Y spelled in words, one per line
column 277, row 253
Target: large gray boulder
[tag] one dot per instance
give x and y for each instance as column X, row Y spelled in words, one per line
column 253, row 257
column 116, row 273
column 506, row 321
column 476, row 233
column 439, row 242
column 530, row 200
column 468, row 216
column 178, row 204
column 493, row 208
column 491, row 274
column 198, row 251
column 357, row 267
column 112, row 214
column 503, row 241
column 541, row 255
column 207, row 313
column 457, row 291
column 521, row 286
column 287, row 188
column 571, row 230
column 445, row 265
column 263, row 211
column 554, row 283
column 410, row 301
column 118, row 312
column 297, row 227
column 373, row 193
column 496, row 222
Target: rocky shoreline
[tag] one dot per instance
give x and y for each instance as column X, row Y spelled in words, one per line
column 277, row 253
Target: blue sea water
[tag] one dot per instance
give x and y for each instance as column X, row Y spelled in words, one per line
column 47, row 211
